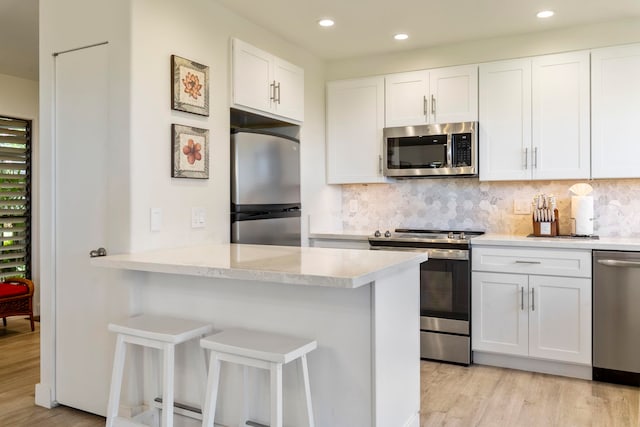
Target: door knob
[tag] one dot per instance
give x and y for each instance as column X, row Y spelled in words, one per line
column 98, row 252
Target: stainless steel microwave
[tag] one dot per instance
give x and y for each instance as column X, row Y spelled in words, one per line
column 448, row 149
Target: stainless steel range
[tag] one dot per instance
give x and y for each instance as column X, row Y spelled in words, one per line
column 445, row 288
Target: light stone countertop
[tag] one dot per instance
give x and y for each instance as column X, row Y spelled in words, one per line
column 338, row 268
column 603, row 243
column 338, row 235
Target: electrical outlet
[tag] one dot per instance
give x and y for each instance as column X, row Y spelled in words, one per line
column 156, row 219
column 198, row 218
column 521, row 207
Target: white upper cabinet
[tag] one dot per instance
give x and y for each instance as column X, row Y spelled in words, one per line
column 560, row 116
column 266, row 83
column 615, row 109
column 505, row 120
column 534, row 118
column 443, row 95
column 355, row 119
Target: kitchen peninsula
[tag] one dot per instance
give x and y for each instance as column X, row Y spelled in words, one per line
column 361, row 306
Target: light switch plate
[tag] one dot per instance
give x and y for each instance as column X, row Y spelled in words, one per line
column 156, row 219
column 521, row 207
column 198, row 218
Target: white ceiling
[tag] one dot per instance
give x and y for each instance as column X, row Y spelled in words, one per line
column 19, row 38
column 366, row 27
column 363, row 27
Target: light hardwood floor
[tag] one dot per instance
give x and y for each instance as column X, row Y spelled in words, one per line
column 451, row 395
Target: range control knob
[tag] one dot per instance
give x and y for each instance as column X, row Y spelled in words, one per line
column 387, row 233
column 450, row 235
column 462, row 236
column 377, row 233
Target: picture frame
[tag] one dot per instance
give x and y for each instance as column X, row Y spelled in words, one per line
column 190, row 86
column 189, row 152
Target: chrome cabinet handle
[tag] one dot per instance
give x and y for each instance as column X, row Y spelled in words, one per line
column 278, row 89
column 380, row 163
column 527, row 262
column 533, row 299
column 526, row 158
column 273, row 91
column 433, row 105
column 535, row 158
column 424, row 105
column 619, row 263
column 522, row 298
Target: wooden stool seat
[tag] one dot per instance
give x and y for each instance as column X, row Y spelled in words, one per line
column 260, row 350
column 159, row 332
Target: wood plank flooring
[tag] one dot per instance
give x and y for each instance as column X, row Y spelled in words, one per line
column 452, row 395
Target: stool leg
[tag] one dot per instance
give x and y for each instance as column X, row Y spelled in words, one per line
column 276, row 394
column 167, row 385
column 116, row 380
column 307, row 388
column 211, row 396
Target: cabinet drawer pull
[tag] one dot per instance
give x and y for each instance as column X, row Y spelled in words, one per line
column 424, row 105
column 522, row 298
column 528, row 262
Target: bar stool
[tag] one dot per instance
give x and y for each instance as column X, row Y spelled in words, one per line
column 159, row 332
column 260, row 350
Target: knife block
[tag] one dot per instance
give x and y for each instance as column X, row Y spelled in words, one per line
column 546, row 228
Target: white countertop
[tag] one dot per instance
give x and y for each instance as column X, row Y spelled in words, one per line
column 603, row 243
column 338, row 235
column 340, row 268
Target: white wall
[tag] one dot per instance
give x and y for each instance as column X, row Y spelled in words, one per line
column 202, row 32
column 20, row 100
column 484, row 50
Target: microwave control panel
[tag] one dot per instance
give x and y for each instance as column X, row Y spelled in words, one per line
column 461, row 149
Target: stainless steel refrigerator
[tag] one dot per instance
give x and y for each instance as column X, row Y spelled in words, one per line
column 265, row 188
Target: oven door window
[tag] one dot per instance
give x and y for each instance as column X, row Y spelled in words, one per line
column 444, row 289
column 417, row 152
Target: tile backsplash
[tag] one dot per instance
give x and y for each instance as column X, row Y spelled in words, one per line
column 467, row 203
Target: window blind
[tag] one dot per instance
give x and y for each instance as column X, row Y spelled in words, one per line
column 15, row 198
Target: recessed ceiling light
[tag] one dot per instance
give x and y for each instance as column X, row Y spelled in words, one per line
column 326, row 22
column 401, row 36
column 545, row 14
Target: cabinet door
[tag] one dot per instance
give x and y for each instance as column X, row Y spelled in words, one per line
column 615, row 108
column 560, row 318
column 499, row 313
column 289, row 90
column 505, row 120
column 454, row 94
column 406, row 98
column 560, row 116
column 355, row 119
column 252, row 76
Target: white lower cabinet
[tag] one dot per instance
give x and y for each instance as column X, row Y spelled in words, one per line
column 530, row 315
column 538, row 316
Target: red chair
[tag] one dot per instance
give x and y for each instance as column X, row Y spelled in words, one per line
column 16, row 299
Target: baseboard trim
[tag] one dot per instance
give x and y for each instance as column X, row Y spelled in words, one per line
column 533, row 365
column 44, row 395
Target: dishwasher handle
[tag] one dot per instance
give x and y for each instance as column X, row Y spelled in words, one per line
column 619, row 263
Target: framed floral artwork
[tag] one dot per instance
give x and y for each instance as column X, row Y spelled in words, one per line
column 190, row 88
column 190, row 152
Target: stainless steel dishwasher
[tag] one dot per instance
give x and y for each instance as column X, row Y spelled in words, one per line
column 616, row 317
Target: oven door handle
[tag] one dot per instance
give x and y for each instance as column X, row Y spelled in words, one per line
column 453, row 254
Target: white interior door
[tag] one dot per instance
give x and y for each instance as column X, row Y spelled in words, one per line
column 81, row 142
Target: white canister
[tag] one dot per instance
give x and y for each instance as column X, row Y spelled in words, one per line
column 582, row 215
